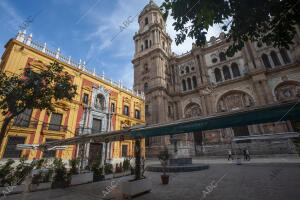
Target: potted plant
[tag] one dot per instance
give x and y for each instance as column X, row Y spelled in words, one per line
column 97, row 169
column 41, row 181
column 76, row 177
column 163, row 158
column 108, row 170
column 118, row 170
column 38, row 164
column 140, row 184
column 126, row 166
column 7, row 179
column 61, row 178
column 20, row 174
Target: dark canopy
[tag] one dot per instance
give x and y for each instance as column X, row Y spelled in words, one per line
column 257, row 115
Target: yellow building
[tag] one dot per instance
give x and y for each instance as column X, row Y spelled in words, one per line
column 101, row 105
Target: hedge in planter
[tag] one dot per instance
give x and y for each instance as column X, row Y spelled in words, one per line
column 108, row 170
column 76, row 177
column 140, row 184
column 61, row 178
column 42, row 180
column 98, row 171
column 11, row 179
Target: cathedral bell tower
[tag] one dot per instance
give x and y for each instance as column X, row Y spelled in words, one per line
column 152, row 53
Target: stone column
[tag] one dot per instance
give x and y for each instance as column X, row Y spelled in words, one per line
column 268, row 91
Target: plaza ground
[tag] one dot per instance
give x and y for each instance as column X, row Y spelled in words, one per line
column 276, row 178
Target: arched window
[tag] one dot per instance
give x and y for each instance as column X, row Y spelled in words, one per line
column 266, row 61
column 222, row 56
column 145, row 86
column 150, row 43
column 218, row 75
column 146, row 20
column 183, row 85
column 146, row 44
column 285, row 57
column 189, row 82
column 235, row 70
column 275, row 58
column 142, row 47
column 226, row 73
column 187, row 69
column 194, row 82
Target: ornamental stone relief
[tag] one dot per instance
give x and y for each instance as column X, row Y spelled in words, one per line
column 287, row 90
column 192, row 110
column 234, row 101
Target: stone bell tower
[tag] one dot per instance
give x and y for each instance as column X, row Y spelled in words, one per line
column 152, row 52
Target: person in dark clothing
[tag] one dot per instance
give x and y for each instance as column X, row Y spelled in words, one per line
column 230, row 155
column 245, row 156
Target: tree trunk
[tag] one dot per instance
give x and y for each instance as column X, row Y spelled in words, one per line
column 137, row 159
column 3, row 129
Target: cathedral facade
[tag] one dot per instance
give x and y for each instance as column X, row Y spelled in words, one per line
column 205, row 81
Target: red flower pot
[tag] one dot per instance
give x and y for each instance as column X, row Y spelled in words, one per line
column 164, row 179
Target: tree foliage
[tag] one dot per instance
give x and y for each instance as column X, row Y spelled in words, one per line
column 242, row 20
column 33, row 89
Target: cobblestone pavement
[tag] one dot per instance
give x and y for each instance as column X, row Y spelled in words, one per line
column 251, row 180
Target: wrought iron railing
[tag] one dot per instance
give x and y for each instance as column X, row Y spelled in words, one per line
column 54, row 127
column 25, row 124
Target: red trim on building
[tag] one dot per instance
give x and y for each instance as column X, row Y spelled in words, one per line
column 39, row 151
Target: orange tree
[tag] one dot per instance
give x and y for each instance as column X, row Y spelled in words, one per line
column 33, row 90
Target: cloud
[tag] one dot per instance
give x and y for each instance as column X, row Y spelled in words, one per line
column 120, row 51
column 15, row 19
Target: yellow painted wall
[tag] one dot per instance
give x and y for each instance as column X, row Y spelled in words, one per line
column 15, row 59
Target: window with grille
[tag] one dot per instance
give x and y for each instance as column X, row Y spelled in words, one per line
column 51, row 153
column 10, row 149
column 137, row 114
column 23, row 119
column 55, row 122
column 126, row 110
column 97, row 125
column 124, row 150
column 112, row 107
column 85, row 98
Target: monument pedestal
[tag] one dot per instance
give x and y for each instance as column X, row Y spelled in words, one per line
column 180, row 161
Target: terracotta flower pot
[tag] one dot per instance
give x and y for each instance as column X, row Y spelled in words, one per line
column 164, row 179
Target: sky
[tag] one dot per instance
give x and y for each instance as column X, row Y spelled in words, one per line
column 87, row 30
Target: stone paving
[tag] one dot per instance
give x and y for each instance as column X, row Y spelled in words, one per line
column 261, row 178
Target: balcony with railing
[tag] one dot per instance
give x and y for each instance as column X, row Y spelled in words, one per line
column 25, row 124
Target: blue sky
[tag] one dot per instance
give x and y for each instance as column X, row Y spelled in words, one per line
column 84, row 29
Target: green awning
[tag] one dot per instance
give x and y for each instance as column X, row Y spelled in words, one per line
column 249, row 116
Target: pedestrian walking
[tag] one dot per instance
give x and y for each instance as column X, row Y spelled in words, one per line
column 230, row 155
column 247, row 155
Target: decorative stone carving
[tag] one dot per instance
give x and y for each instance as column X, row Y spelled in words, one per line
column 287, row 90
column 192, row 110
column 234, row 100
